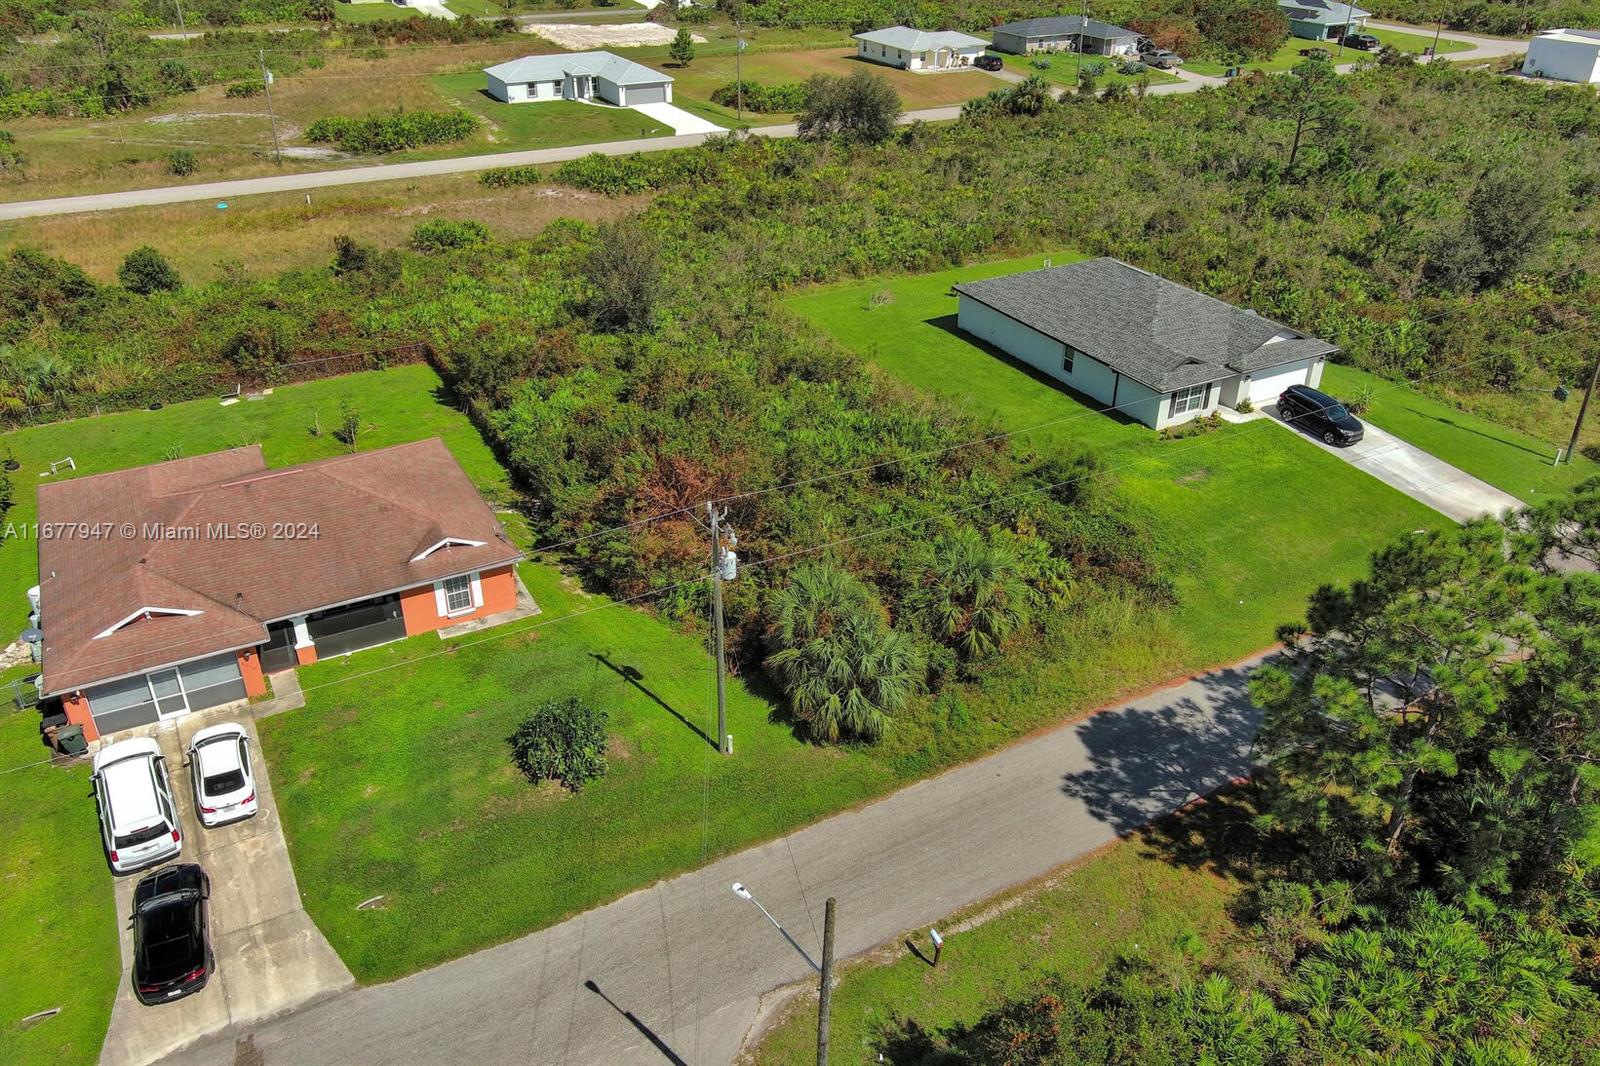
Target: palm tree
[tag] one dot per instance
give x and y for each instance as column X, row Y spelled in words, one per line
column 973, row 596
column 842, row 667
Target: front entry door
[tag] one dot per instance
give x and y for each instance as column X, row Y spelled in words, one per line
column 167, row 688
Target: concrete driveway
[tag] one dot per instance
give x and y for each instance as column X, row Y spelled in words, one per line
column 677, row 118
column 270, row 957
column 1424, row 477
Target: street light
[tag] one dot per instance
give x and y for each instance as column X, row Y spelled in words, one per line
column 825, row 970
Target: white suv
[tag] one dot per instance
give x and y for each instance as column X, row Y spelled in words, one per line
column 219, row 764
column 138, row 818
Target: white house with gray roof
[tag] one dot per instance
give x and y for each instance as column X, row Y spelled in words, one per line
column 578, row 76
column 909, row 49
column 1153, row 350
column 1065, row 32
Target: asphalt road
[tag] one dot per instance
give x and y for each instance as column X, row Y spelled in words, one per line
column 680, row 972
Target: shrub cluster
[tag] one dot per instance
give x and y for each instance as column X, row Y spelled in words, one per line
column 392, row 133
column 762, row 99
column 442, row 234
column 562, row 740
column 506, row 177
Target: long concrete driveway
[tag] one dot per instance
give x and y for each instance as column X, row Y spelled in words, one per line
column 678, row 972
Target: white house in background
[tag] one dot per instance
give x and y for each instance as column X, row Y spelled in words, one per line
column 1566, row 55
column 1156, row 351
column 1323, row 20
column 909, row 49
column 579, row 76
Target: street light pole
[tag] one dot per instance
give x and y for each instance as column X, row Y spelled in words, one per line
column 744, row 894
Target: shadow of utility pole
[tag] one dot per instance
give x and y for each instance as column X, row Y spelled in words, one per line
column 644, row 1030
column 636, row 679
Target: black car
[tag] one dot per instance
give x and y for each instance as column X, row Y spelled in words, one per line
column 171, row 940
column 1364, row 41
column 988, row 63
column 1319, row 414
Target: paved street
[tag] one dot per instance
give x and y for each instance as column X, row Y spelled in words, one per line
column 680, row 970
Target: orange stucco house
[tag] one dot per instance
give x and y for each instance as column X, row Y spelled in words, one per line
column 175, row 587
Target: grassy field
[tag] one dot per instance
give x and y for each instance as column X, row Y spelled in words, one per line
column 550, row 124
column 57, row 916
column 1063, row 70
column 1243, row 539
column 1071, row 924
column 396, row 405
column 370, row 12
column 1288, row 54
column 283, row 231
column 1505, row 458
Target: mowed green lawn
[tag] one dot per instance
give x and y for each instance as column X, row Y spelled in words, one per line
column 58, row 919
column 1061, row 69
column 396, row 405
column 1509, row 460
column 1250, row 519
column 1288, row 53
column 549, row 124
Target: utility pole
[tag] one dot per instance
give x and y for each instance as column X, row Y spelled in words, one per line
column 825, row 989
column 182, row 29
column 1583, row 409
column 266, row 85
column 719, row 567
column 1077, row 73
column 738, row 66
column 1433, row 53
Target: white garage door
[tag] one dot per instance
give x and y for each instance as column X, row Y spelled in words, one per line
column 1265, row 385
column 647, row 94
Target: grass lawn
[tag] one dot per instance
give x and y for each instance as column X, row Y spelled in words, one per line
column 550, row 124
column 345, row 12
column 1503, row 457
column 1243, row 540
column 1288, row 53
column 1063, row 70
column 396, row 405
column 475, row 8
column 695, row 83
column 57, row 915
column 1072, row 924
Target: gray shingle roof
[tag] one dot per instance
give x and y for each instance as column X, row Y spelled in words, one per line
column 1322, row 12
column 612, row 68
column 1058, row 24
column 1155, row 331
column 910, row 40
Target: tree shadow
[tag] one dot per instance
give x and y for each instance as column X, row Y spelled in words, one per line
column 904, row 1042
column 1147, row 761
column 1453, row 424
column 949, row 323
column 633, row 677
column 644, row 1030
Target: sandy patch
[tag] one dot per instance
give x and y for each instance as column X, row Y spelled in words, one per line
column 581, row 36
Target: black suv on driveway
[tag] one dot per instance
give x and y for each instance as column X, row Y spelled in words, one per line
column 1319, row 414
column 171, row 939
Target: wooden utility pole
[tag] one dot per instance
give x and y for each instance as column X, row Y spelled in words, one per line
column 1583, row 409
column 266, row 86
column 1433, row 53
column 738, row 67
column 825, row 989
column 716, row 624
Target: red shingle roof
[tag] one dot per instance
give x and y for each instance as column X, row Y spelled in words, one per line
column 242, row 545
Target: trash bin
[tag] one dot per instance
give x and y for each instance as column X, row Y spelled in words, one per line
column 69, row 740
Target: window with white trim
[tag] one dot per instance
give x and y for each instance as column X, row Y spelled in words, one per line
column 1191, row 399
column 457, row 594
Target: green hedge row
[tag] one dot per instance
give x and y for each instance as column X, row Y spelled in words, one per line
column 762, row 99
column 506, row 177
column 391, row 133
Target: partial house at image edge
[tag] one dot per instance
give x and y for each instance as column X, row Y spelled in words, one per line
column 233, row 569
column 1564, row 55
column 584, row 76
column 1158, row 352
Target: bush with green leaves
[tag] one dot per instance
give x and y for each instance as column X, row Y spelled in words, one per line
column 180, row 162
column 443, row 234
column 761, row 99
column 507, row 177
column 392, row 132
column 146, row 270
column 862, row 107
column 562, row 740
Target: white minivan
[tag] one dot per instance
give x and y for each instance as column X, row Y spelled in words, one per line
column 138, row 817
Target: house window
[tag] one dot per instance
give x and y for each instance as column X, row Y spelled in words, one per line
column 457, row 594
column 1190, row 399
column 1066, row 360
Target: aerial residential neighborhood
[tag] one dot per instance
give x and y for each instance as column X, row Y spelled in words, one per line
column 773, row 531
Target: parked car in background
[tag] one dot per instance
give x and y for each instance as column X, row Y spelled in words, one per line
column 988, row 62
column 172, row 955
column 1364, row 41
column 1319, row 414
column 219, row 767
column 138, row 818
column 1162, row 59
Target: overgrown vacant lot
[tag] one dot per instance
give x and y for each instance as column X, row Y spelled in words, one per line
column 1288, row 53
column 281, row 231
column 1250, row 518
column 57, row 915
column 396, row 405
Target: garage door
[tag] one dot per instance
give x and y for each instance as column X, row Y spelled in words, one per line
column 1265, row 385
column 647, row 94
